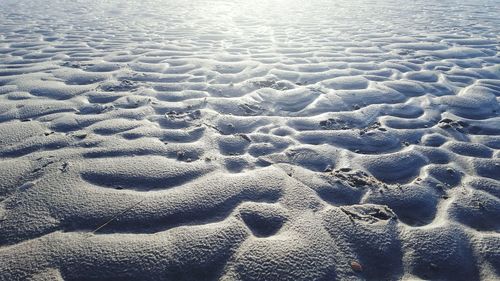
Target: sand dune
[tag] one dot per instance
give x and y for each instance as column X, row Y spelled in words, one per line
column 249, row 140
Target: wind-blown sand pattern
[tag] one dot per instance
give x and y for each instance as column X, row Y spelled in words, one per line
column 249, row 140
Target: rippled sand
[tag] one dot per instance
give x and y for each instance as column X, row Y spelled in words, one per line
column 249, row 140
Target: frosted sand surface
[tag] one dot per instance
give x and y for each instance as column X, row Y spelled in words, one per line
column 249, row 140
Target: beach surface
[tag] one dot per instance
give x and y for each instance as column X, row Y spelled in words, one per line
column 250, row 140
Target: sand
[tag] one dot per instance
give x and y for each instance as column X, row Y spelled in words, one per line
column 249, row 140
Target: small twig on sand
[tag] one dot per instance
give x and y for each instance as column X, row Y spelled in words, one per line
column 213, row 127
column 118, row 215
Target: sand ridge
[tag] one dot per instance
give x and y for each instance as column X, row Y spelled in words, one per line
column 249, row 140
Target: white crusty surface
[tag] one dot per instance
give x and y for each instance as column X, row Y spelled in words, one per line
column 249, row 140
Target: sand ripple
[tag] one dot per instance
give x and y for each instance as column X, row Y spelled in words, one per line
column 249, row 140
